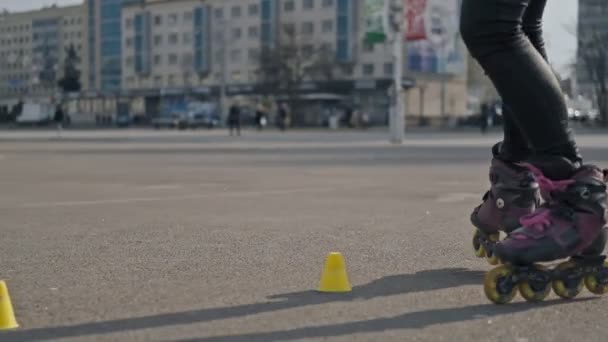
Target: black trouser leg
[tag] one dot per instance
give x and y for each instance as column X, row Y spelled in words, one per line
column 494, row 33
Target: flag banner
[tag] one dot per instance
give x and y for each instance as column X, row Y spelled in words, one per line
column 374, row 21
column 435, row 45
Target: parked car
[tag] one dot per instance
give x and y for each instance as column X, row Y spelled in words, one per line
column 36, row 114
column 202, row 114
column 166, row 121
column 203, row 119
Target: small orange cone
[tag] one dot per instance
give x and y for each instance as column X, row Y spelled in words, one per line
column 334, row 278
column 7, row 315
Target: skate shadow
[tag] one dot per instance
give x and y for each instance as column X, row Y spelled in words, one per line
column 410, row 320
column 387, row 286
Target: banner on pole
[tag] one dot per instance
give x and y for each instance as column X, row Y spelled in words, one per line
column 374, row 21
column 434, row 42
column 415, row 12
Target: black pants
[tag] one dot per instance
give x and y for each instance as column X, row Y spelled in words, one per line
column 234, row 125
column 505, row 37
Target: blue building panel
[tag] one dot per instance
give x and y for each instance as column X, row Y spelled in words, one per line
column 142, row 43
column 269, row 16
column 202, row 39
column 111, row 46
column 344, row 28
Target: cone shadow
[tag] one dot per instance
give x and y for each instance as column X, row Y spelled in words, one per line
column 387, row 286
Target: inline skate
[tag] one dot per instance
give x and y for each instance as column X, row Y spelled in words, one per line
column 514, row 193
column 570, row 224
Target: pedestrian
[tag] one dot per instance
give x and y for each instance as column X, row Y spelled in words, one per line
column 538, row 151
column 58, row 118
column 283, row 116
column 483, row 117
column 260, row 117
column 234, row 119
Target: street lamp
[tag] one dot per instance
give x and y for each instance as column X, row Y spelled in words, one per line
column 223, row 26
column 394, row 26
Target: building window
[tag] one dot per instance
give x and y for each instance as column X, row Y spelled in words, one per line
column 308, row 28
column 173, row 39
column 254, row 32
column 235, row 56
column 219, row 13
column 236, row 75
column 158, row 40
column 188, row 17
column 289, row 6
column 388, row 69
column 254, row 9
column 308, row 4
column 236, row 33
column 328, row 3
column 158, row 81
column 289, row 28
column 368, row 69
column 253, row 55
column 129, row 23
column 172, row 80
column 173, row 59
column 307, row 51
column 235, row 11
column 158, row 59
column 187, row 38
column 158, row 20
column 130, row 62
column 368, row 47
column 129, row 42
column 328, row 26
column 172, row 19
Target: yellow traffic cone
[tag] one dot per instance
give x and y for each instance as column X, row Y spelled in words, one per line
column 334, row 278
column 7, row 315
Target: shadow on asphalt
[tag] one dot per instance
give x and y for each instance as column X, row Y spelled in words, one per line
column 410, row 320
column 387, row 286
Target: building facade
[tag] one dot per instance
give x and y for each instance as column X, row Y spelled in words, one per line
column 104, row 36
column 214, row 47
column 150, row 53
column 33, row 49
column 592, row 20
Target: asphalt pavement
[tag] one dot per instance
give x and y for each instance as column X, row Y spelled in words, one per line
column 135, row 235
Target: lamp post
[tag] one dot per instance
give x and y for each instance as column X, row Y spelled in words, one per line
column 394, row 27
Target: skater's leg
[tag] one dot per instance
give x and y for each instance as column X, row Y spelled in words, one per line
column 493, row 32
column 532, row 25
column 515, row 145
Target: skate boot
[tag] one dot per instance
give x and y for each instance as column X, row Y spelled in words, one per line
column 569, row 224
column 514, row 193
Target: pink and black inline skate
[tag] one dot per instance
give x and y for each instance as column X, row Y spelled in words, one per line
column 569, row 224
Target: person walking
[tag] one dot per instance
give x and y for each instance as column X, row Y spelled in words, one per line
column 234, row 119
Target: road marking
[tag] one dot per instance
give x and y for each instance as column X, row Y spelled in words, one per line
column 162, row 187
column 171, row 198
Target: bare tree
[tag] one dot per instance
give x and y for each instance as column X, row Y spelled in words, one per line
column 294, row 60
column 594, row 56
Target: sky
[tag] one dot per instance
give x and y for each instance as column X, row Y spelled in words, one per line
column 559, row 15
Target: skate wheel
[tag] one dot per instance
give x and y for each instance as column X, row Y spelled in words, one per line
column 535, row 291
column 493, row 260
column 570, row 287
column 480, row 250
column 490, row 256
column 498, row 286
column 598, row 283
